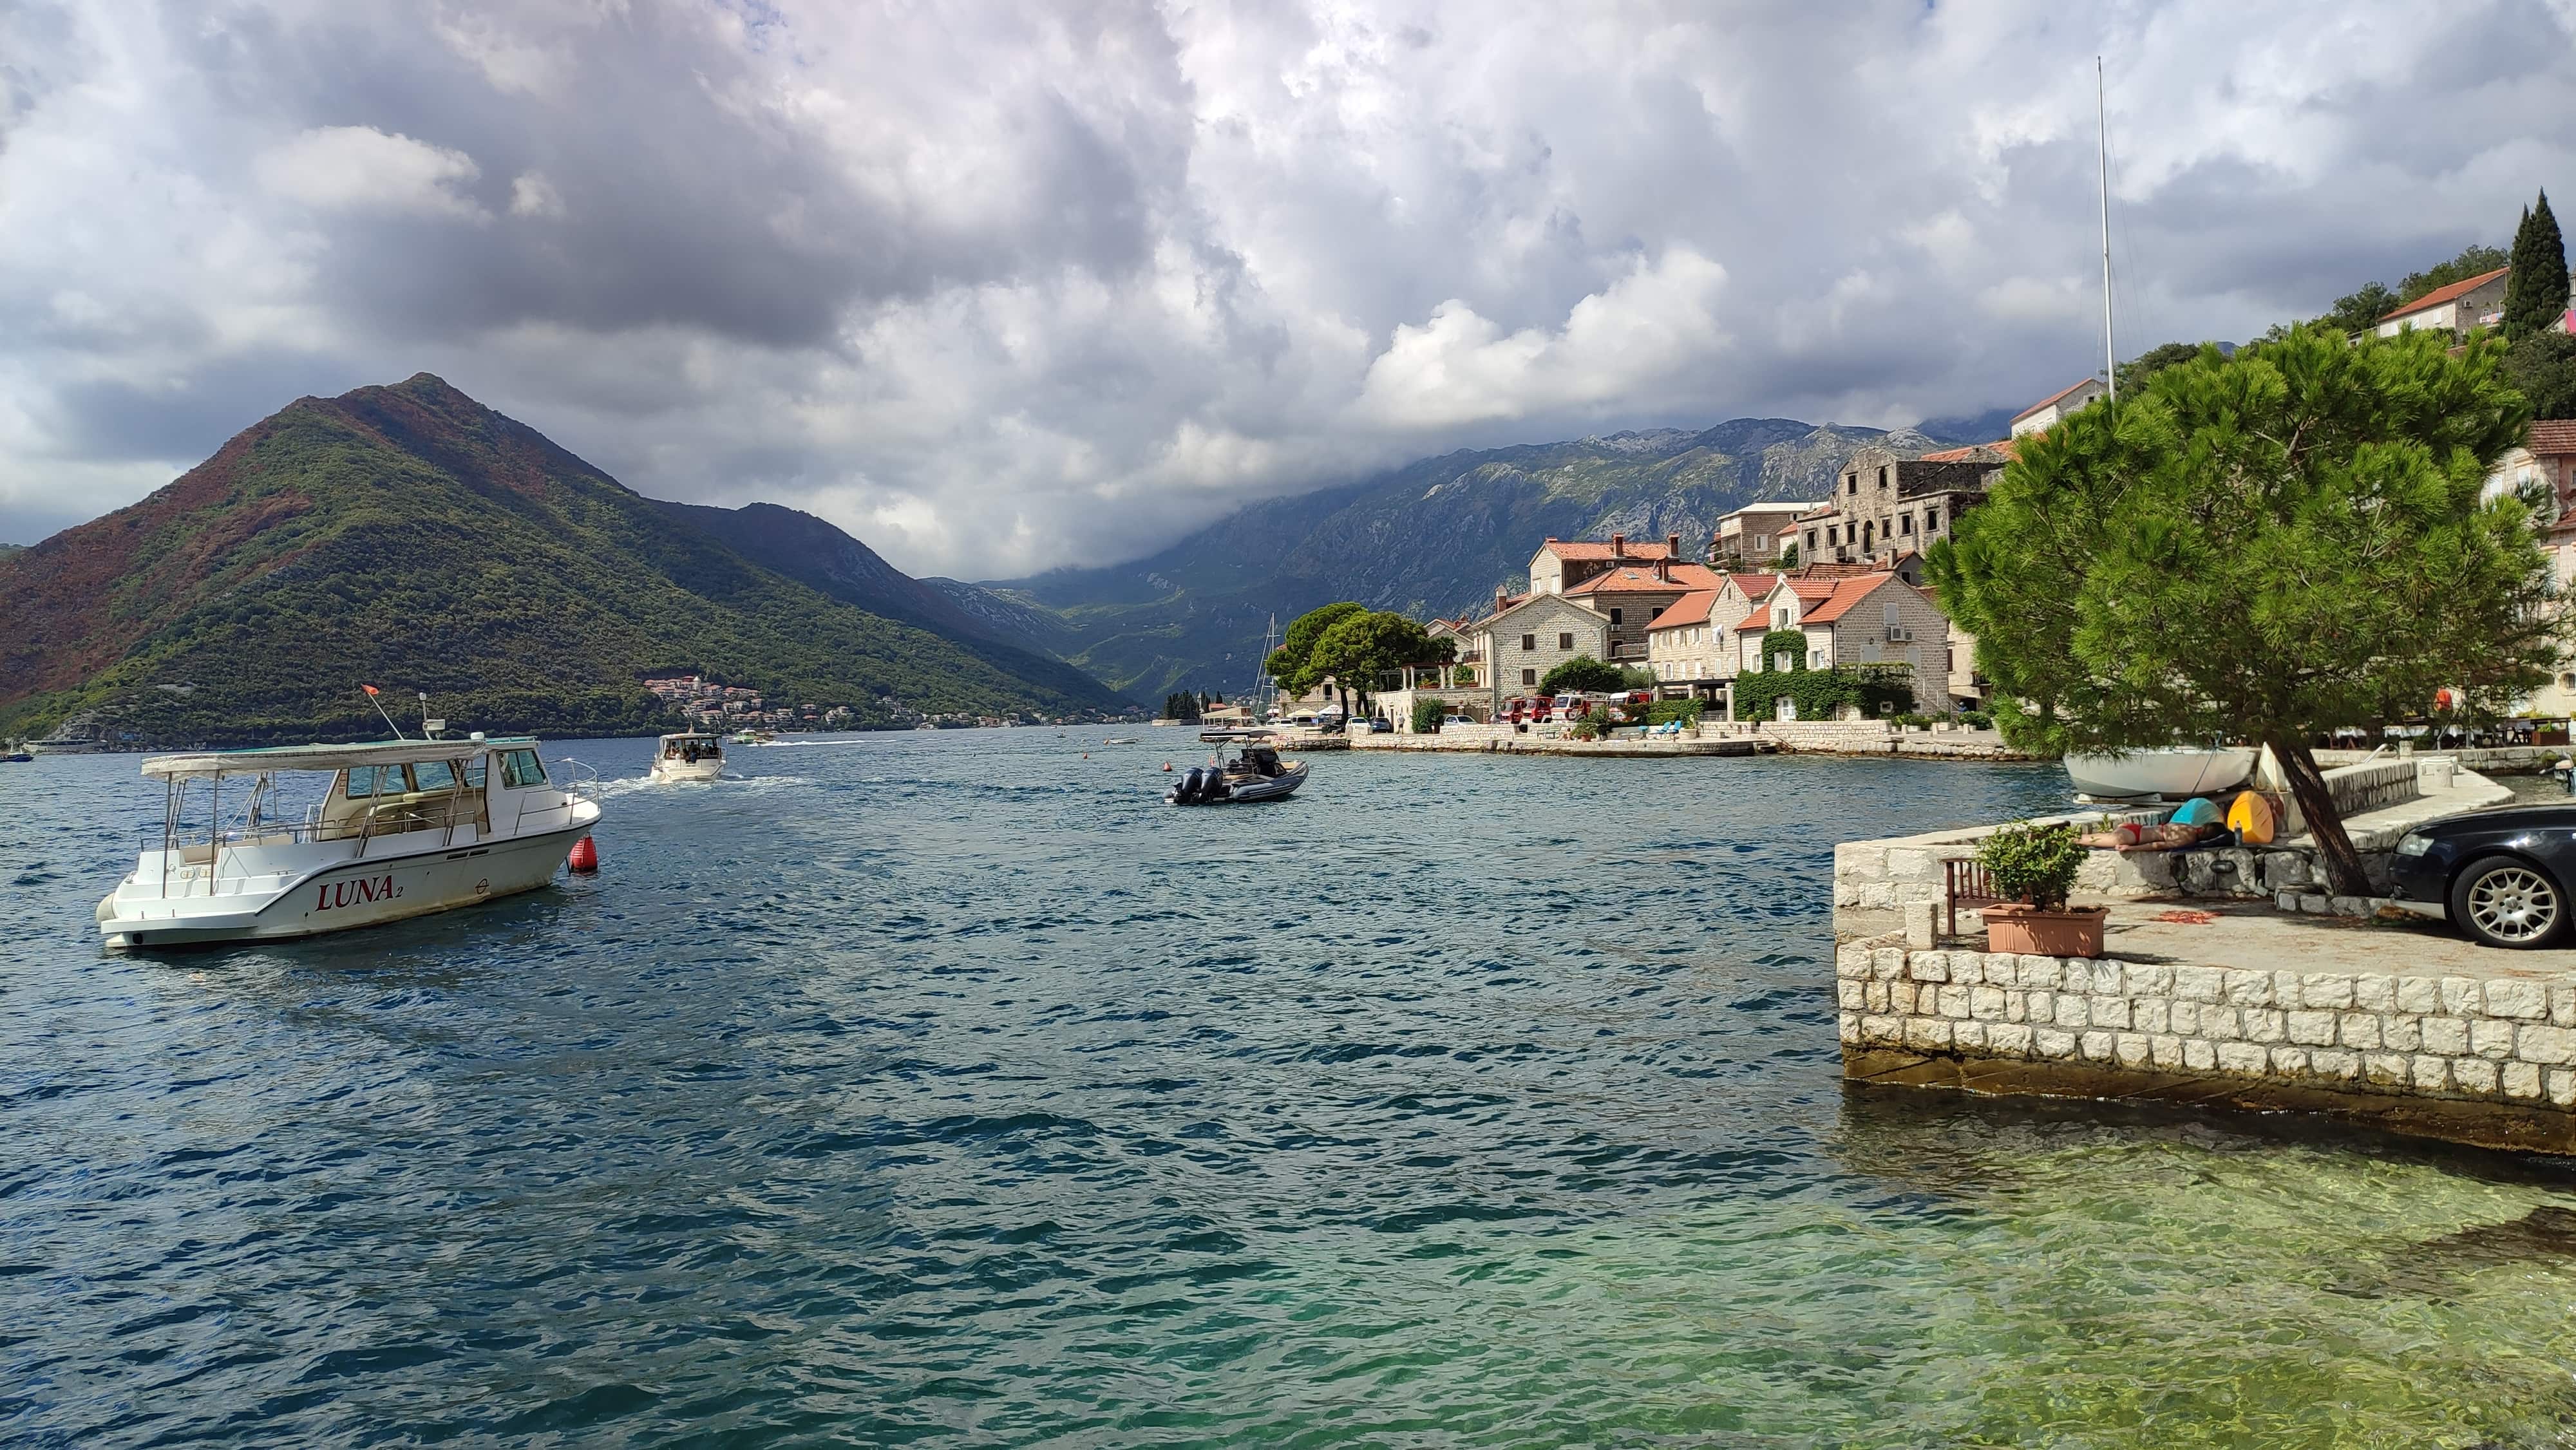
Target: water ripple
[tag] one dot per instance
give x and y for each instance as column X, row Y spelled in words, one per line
column 950, row 1088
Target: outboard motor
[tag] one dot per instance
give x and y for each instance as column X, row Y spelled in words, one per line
column 1187, row 792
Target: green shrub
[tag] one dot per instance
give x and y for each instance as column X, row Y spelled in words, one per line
column 1823, row 694
column 1586, row 728
column 1426, row 716
column 1686, row 711
column 1582, row 672
column 2032, row 863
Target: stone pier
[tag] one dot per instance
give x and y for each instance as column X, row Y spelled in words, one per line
column 2226, row 980
column 2488, row 1059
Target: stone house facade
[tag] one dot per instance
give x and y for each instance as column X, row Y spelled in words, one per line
column 1885, row 506
column 1632, row 596
column 1692, row 644
column 1867, row 619
column 1520, row 644
column 2547, row 460
column 2459, row 309
column 1561, row 564
column 1756, row 534
column 2045, row 413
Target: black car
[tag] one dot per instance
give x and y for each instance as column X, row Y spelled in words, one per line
column 2500, row 876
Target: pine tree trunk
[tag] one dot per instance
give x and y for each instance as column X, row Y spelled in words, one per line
column 2325, row 823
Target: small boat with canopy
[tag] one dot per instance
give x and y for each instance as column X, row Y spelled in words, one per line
column 398, row 828
column 1240, row 775
column 692, row 756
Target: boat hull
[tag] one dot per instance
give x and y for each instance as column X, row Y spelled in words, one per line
column 349, row 894
column 672, row 771
column 1253, row 791
column 2173, row 774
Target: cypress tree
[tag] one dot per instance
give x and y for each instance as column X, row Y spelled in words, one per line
column 2536, row 294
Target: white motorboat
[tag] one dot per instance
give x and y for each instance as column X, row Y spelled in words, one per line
column 404, row 828
column 2176, row 772
column 1241, row 775
column 688, row 756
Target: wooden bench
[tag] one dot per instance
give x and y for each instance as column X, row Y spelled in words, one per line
column 1965, row 883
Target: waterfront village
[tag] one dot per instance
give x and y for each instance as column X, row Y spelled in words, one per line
column 704, row 704
column 1832, row 589
column 2214, row 951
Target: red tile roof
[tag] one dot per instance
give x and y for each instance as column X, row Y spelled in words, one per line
column 1691, row 608
column 1974, row 452
column 2440, row 295
column 1846, row 594
column 2553, row 436
column 1685, row 577
column 2057, row 396
column 1588, row 552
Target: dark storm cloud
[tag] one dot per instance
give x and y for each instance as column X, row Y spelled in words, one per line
column 676, row 193
column 1019, row 284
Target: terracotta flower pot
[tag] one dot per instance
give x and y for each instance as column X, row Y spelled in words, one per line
column 2074, row 932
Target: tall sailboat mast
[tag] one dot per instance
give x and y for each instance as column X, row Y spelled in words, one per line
column 1261, row 671
column 2102, row 144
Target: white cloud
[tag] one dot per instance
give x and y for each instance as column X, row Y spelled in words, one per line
column 1618, row 345
column 533, row 195
column 1025, row 284
column 359, row 168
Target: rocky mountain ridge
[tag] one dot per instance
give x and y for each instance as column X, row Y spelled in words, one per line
column 1433, row 538
column 409, row 537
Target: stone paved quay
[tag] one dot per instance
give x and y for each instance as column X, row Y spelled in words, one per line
column 2231, row 986
column 2398, row 1026
column 1509, row 744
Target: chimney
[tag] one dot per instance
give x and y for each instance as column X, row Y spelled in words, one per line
column 1672, row 546
column 1664, row 571
column 1499, row 597
column 1618, row 546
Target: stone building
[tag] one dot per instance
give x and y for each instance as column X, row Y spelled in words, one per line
column 1863, row 619
column 1691, row 646
column 2045, row 413
column 1632, row 595
column 1885, row 506
column 1756, row 534
column 2547, row 461
column 1526, row 638
column 1560, row 564
column 2461, row 308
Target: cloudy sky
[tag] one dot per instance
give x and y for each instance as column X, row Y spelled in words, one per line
column 1001, row 286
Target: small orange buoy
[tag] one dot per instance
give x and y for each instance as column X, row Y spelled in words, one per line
column 585, row 856
column 1167, row 767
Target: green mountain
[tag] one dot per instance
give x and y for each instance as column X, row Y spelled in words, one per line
column 410, row 538
column 1435, row 537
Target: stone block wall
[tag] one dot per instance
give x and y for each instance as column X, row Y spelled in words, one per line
column 2509, row 1040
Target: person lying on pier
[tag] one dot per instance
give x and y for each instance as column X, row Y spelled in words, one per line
column 2129, row 838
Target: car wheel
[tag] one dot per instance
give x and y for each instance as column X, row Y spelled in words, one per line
column 2505, row 901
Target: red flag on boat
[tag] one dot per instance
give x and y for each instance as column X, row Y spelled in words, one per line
column 370, row 689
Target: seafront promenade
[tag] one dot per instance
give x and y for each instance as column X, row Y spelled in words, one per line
column 2228, row 979
column 1722, row 738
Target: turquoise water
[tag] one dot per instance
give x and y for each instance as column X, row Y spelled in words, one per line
column 951, row 1089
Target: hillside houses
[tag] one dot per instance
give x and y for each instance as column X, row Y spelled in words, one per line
column 2459, row 309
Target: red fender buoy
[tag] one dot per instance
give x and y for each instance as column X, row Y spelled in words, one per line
column 584, row 857
column 1167, row 767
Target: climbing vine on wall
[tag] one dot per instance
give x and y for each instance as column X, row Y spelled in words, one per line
column 1820, row 694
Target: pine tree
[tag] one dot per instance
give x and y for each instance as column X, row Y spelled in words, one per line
column 2535, row 296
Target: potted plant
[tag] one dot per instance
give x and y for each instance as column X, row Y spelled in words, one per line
column 2032, row 867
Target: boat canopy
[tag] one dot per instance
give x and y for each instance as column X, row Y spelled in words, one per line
column 322, row 757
